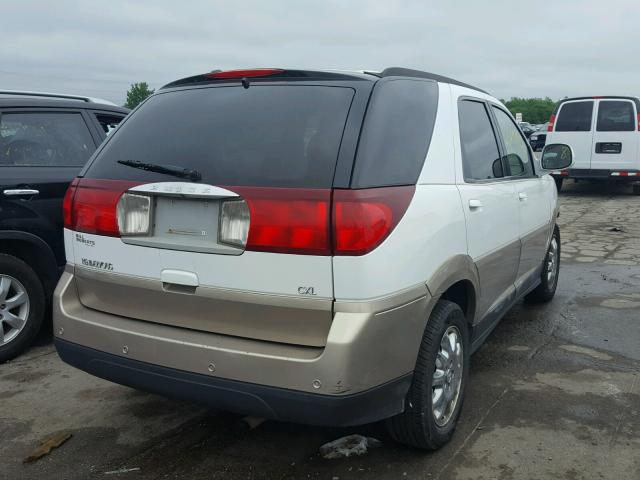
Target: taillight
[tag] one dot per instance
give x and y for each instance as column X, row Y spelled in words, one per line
column 552, row 121
column 287, row 220
column 639, row 122
column 92, row 207
column 363, row 219
column 234, row 223
column 67, row 203
column 133, row 214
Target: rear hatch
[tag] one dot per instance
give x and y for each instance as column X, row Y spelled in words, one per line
column 176, row 248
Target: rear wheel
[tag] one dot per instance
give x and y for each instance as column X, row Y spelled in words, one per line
column 22, row 306
column 550, row 270
column 434, row 401
column 558, row 181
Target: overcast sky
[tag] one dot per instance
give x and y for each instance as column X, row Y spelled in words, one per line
column 510, row 48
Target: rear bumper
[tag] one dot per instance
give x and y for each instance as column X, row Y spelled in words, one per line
column 365, row 367
column 599, row 174
column 246, row 398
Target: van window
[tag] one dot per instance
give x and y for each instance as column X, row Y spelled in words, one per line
column 263, row 136
column 396, row 133
column 575, row 117
column 480, row 155
column 615, row 116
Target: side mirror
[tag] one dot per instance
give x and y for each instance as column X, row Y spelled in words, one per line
column 556, row 156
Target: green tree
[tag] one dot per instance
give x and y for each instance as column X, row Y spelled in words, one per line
column 533, row 110
column 137, row 93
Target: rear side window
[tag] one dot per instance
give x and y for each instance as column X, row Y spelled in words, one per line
column 575, row 117
column 480, row 155
column 396, row 133
column 263, row 136
column 615, row 116
column 516, row 152
column 108, row 122
column 44, row 139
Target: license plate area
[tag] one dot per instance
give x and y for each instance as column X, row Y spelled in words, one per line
column 187, row 224
column 609, row 147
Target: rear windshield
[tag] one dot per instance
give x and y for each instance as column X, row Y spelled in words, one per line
column 264, row 136
column 575, row 117
column 616, row 116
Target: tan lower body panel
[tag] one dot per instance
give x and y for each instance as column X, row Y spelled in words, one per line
column 298, row 321
column 363, row 348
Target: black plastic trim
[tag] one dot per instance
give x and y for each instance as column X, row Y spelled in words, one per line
column 247, row 398
column 407, row 72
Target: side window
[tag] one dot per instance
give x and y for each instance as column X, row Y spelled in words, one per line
column 480, row 155
column 44, row 139
column 575, row 117
column 108, row 122
column 615, row 116
column 396, row 133
column 518, row 159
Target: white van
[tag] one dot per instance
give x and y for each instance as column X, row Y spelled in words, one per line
column 604, row 133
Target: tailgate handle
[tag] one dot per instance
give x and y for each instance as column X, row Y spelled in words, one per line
column 179, row 281
column 609, row 147
column 21, row 192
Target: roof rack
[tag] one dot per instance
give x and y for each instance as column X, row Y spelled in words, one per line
column 407, row 72
column 55, row 95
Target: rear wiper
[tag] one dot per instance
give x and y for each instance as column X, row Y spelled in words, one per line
column 190, row 173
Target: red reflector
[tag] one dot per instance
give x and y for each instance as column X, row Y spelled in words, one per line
column 639, row 122
column 287, row 220
column 255, row 72
column 92, row 207
column 362, row 219
column 564, row 173
column 552, row 121
column 624, row 174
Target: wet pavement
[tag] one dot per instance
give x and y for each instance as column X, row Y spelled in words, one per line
column 554, row 393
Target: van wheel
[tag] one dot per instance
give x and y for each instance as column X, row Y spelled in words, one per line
column 434, row 400
column 550, row 270
column 22, row 306
column 558, row 181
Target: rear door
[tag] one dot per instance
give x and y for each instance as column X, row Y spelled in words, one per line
column 615, row 140
column 275, row 147
column 574, row 127
column 491, row 209
column 41, row 151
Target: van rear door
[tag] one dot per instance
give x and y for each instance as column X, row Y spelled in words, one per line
column 574, row 127
column 615, row 138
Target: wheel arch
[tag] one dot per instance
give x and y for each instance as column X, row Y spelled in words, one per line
column 35, row 252
column 457, row 280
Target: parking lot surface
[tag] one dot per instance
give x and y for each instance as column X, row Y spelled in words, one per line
column 554, row 393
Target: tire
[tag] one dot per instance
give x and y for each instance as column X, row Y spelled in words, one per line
column 551, row 264
column 558, row 181
column 417, row 426
column 15, row 277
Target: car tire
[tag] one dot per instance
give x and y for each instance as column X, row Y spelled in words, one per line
column 417, row 425
column 558, row 181
column 21, row 319
column 545, row 291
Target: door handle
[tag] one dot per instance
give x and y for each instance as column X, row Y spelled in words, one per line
column 474, row 204
column 21, row 192
column 523, row 196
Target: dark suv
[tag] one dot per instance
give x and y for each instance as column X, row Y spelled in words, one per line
column 45, row 140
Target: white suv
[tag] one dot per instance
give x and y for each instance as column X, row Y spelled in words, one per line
column 604, row 133
column 318, row 247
